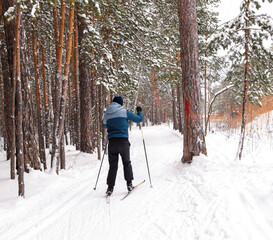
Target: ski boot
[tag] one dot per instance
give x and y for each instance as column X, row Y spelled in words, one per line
column 109, row 191
column 130, row 186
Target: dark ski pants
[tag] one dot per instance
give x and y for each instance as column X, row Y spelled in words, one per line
column 119, row 146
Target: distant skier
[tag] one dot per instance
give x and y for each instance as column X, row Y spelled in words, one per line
column 115, row 120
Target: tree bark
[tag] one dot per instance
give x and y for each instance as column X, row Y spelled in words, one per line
column 193, row 135
column 85, row 97
column 59, row 38
column 104, row 131
column 38, row 97
column 9, row 86
column 19, row 129
column 5, row 75
column 2, row 108
column 62, row 108
column 75, row 87
column 31, row 154
column 175, row 125
column 98, row 108
column 153, row 99
column 246, row 79
column 180, row 118
column 46, row 115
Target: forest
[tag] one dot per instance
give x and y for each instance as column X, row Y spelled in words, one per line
column 62, row 61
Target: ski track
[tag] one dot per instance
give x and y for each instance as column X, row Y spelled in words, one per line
column 209, row 199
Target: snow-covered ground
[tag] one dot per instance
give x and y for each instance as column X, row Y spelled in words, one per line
column 213, row 198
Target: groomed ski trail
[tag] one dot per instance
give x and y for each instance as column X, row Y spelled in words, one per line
column 213, row 198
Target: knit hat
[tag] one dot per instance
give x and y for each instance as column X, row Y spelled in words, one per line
column 118, row 99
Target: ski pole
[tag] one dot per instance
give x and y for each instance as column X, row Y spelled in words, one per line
column 100, row 166
column 146, row 156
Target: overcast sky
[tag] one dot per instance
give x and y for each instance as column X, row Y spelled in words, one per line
column 229, row 9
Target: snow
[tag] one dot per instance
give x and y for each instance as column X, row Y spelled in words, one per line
column 33, row 12
column 215, row 197
column 10, row 14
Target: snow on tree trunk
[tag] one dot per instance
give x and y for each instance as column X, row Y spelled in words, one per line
column 9, row 86
column 38, row 96
column 31, row 152
column 46, row 114
column 193, row 136
column 19, row 129
column 75, row 87
column 60, row 136
column 243, row 126
column 59, row 38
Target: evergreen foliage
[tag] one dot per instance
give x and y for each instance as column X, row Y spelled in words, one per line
column 231, row 38
column 130, row 47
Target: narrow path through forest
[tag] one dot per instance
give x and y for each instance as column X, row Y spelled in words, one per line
column 213, row 198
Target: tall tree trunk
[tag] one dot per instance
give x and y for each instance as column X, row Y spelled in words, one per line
column 205, row 78
column 243, row 126
column 75, row 77
column 180, row 118
column 38, row 97
column 59, row 38
column 153, row 99
column 193, row 136
column 31, row 154
column 5, row 75
column 61, row 121
column 19, row 129
column 98, row 108
column 104, row 135
column 9, row 86
column 46, row 115
column 2, row 108
column 85, row 97
column 94, row 101
column 175, row 125
column 69, row 122
column 157, row 105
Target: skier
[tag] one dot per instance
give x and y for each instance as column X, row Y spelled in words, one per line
column 115, row 120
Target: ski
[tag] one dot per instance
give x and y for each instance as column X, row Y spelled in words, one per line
column 132, row 190
column 108, row 199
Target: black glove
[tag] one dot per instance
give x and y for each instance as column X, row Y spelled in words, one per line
column 139, row 109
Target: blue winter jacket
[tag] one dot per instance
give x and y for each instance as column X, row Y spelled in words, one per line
column 116, row 119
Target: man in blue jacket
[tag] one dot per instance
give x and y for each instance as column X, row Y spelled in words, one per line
column 115, row 120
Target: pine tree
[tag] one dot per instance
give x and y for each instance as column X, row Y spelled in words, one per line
column 193, row 135
column 129, row 47
column 250, row 61
column 64, row 84
column 38, row 94
column 9, row 83
column 31, row 153
column 85, row 90
column 19, row 123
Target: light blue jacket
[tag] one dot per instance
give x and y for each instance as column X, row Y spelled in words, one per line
column 116, row 119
